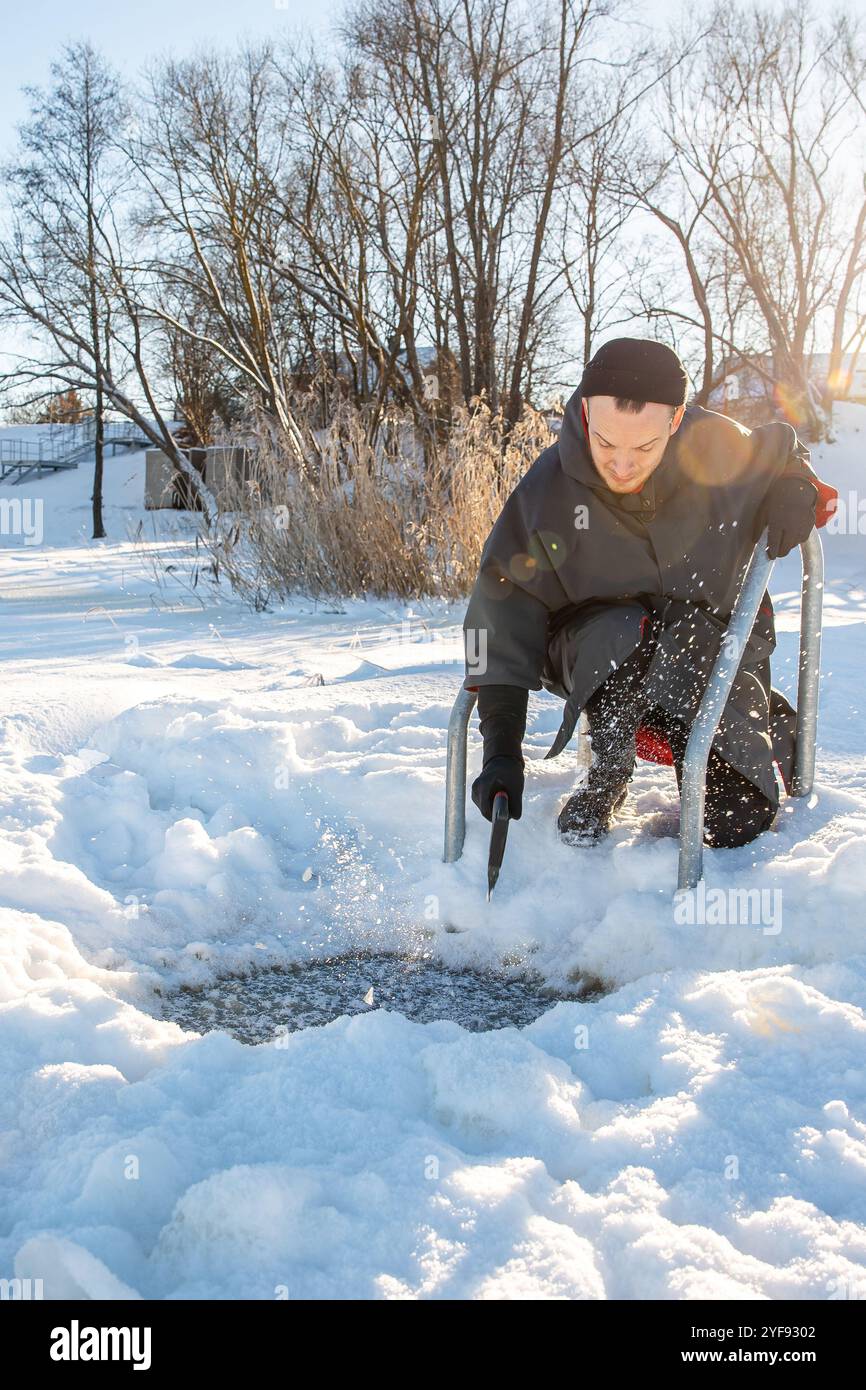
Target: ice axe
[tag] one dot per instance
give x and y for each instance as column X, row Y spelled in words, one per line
column 498, row 836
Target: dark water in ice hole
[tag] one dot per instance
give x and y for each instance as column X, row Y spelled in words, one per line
column 253, row 1008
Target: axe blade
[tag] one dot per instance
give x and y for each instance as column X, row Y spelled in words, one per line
column 498, row 836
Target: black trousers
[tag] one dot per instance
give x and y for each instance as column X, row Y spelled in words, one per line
column 735, row 810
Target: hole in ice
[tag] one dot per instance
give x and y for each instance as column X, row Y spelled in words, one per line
column 254, row 1008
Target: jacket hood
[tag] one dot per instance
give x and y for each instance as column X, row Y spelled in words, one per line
column 574, row 452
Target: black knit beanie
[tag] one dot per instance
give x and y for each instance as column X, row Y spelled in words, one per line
column 638, row 369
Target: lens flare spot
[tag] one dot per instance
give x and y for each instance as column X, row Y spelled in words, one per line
column 523, row 567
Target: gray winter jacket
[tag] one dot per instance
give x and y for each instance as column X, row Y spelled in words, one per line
column 567, row 552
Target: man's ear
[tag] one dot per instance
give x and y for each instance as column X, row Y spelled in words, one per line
column 677, row 418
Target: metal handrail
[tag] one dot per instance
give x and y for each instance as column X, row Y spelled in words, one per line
column 693, row 792
column 59, row 444
column 706, row 721
column 455, row 774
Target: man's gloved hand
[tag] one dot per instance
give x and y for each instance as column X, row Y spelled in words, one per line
column 502, row 720
column 788, row 510
column 500, row 774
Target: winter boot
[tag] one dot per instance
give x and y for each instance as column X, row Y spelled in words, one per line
column 614, row 714
column 588, row 812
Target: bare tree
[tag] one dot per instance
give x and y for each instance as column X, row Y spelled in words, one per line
column 756, row 128
column 64, row 277
column 605, row 179
column 353, row 208
column 206, row 153
column 65, row 185
column 847, row 58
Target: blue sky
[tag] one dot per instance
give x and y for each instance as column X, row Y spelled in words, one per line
column 35, row 30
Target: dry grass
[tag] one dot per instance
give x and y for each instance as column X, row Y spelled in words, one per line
column 388, row 518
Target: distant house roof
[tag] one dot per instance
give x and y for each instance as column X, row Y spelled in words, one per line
column 736, row 366
column 821, row 360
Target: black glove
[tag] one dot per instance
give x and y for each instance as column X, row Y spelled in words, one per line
column 502, row 774
column 502, row 721
column 788, row 510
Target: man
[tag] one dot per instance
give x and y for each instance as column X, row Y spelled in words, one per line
column 609, row 579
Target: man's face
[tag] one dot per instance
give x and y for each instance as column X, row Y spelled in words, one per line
column 626, row 448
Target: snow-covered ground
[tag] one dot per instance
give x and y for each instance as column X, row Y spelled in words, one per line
column 182, row 797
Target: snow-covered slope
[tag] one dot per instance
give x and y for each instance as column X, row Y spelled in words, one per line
column 180, row 798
